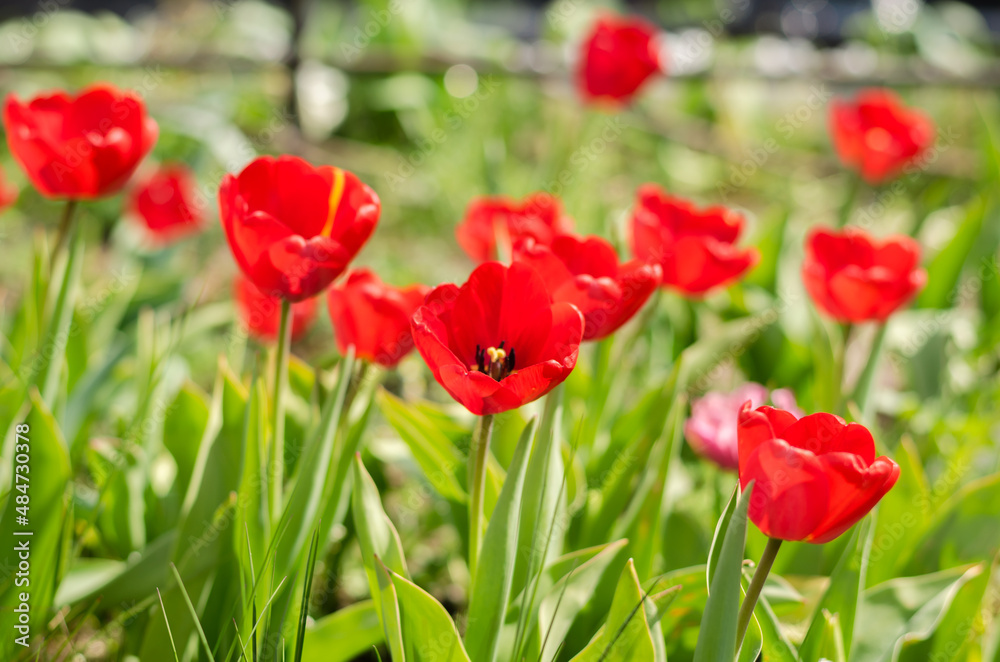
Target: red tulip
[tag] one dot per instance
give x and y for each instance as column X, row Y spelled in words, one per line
column 695, row 247
column 262, row 313
column 877, row 135
column 539, row 216
column 165, row 203
column 814, row 478
column 585, row 272
column 81, row 147
column 8, row 193
column 853, row 278
column 293, row 227
column 374, row 317
column 498, row 341
column 618, row 56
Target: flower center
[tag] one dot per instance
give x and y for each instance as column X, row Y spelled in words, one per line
column 496, row 362
column 878, row 139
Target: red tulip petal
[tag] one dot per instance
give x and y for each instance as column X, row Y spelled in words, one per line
column 703, row 264
column 817, row 433
column 791, row 491
column 759, row 425
column 534, row 381
column 479, row 393
column 858, row 491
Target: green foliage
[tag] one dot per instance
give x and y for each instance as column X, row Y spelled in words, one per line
column 151, row 410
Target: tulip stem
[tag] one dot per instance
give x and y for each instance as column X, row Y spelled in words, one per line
column 597, row 396
column 278, row 426
column 854, row 187
column 69, row 212
column 841, row 368
column 753, row 591
column 478, row 456
column 863, row 388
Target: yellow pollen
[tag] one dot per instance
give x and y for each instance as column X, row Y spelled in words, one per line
column 495, row 354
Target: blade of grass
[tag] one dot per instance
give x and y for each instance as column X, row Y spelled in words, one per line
column 548, row 630
column 167, row 621
column 266, row 605
column 240, row 640
column 194, row 613
column 300, row 636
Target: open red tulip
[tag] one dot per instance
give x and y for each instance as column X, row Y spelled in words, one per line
column 877, row 135
column 81, row 147
column 262, row 313
column 539, row 216
column 164, row 203
column 695, row 247
column 854, row 278
column 585, row 272
column 374, row 317
column 293, row 227
column 618, row 56
column 498, row 341
column 814, row 477
column 8, row 193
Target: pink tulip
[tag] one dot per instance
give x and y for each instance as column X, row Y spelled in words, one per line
column 711, row 429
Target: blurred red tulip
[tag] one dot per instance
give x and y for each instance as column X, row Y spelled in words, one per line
column 814, row 477
column 695, row 247
column 8, row 193
column 293, row 227
column 262, row 313
column 585, row 272
column 618, row 56
column 539, row 216
column 374, row 317
column 876, row 135
column 81, row 147
column 165, row 203
column 853, row 278
column 498, row 341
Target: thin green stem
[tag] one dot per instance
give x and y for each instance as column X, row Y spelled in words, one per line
column 841, row 364
column 753, row 591
column 278, row 423
column 60, row 326
column 863, row 388
column 69, row 213
column 854, row 187
column 597, row 396
column 478, row 455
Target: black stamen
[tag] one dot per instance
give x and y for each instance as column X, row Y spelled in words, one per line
column 502, row 343
column 510, row 361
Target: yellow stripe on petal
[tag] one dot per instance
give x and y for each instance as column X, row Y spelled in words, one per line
column 336, row 193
